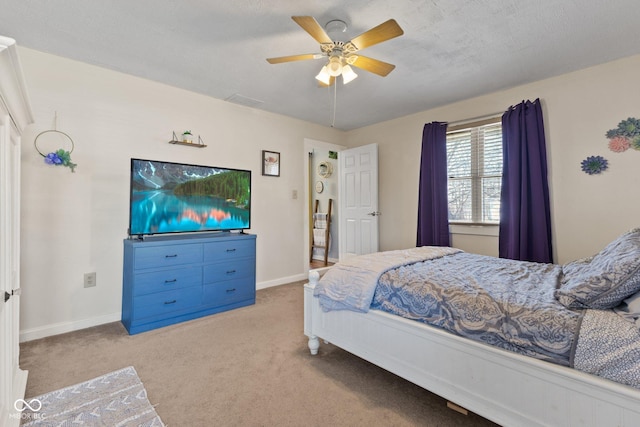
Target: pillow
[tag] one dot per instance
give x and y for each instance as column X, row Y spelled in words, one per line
column 607, row 279
column 574, row 267
column 630, row 309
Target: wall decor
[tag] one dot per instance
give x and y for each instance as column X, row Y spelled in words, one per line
column 187, row 138
column 325, row 169
column 333, row 155
column 319, row 187
column 594, row 165
column 270, row 163
column 61, row 156
column 625, row 136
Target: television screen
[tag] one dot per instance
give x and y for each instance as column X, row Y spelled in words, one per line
column 170, row 197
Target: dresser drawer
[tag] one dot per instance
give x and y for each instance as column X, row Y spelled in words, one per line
column 229, row 270
column 228, row 292
column 165, row 280
column 171, row 279
column 166, row 302
column 223, row 250
column 167, row 256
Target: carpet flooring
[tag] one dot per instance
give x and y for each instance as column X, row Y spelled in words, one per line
column 246, row 367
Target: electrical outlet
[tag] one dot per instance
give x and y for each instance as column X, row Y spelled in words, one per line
column 89, row 280
column 294, row 194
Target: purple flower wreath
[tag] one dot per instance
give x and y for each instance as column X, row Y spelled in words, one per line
column 60, row 158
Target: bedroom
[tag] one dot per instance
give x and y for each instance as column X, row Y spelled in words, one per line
column 75, row 223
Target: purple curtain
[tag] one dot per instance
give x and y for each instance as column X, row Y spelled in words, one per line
column 525, row 215
column 433, row 208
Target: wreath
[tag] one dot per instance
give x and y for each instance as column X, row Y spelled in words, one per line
column 60, row 157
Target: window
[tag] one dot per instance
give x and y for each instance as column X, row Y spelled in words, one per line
column 474, row 168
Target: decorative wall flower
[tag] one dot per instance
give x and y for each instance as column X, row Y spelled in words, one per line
column 628, row 128
column 594, row 165
column 618, row 144
column 60, row 158
column 626, row 135
column 52, row 159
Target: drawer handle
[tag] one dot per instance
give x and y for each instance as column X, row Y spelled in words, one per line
column 231, row 290
column 231, row 271
column 171, row 281
column 231, row 250
column 171, row 256
column 170, row 302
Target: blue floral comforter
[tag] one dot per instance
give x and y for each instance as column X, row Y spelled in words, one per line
column 504, row 303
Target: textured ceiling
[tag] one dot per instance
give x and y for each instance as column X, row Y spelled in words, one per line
column 450, row 50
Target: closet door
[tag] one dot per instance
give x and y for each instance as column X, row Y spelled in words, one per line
column 15, row 114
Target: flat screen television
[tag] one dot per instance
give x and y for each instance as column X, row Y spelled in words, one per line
column 168, row 197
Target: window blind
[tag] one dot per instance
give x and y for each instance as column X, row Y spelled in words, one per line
column 474, row 168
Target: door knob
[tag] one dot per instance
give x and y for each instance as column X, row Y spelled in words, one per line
column 375, row 213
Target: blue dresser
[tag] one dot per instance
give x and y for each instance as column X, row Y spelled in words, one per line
column 170, row 279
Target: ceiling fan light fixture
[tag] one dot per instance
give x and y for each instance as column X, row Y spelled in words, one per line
column 324, row 76
column 348, row 74
column 334, row 67
column 341, row 55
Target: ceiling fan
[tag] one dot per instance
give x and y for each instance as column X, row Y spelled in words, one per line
column 341, row 55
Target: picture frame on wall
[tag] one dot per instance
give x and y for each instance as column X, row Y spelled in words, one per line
column 270, row 163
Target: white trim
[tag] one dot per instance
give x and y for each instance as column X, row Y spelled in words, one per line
column 15, row 115
column 476, row 229
column 281, row 281
column 13, row 89
column 496, row 116
column 64, row 327
column 320, row 257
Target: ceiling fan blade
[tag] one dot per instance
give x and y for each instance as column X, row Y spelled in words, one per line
column 291, row 58
column 383, row 32
column 375, row 66
column 311, row 26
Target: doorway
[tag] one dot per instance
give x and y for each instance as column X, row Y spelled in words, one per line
column 321, row 183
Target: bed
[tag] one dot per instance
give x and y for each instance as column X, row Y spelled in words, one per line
column 580, row 377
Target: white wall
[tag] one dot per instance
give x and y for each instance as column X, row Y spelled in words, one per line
column 74, row 223
column 587, row 211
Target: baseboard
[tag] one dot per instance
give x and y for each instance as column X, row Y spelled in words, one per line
column 321, row 258
column 281, row 281
column 64, row 327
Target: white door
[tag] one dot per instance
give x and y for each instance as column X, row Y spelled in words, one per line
column 13, row 379
column 15, row 114
column 358, row 201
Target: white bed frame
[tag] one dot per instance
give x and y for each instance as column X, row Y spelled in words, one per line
column 504, row 387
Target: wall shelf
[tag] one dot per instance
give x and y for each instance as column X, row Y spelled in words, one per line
column 176, row 141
